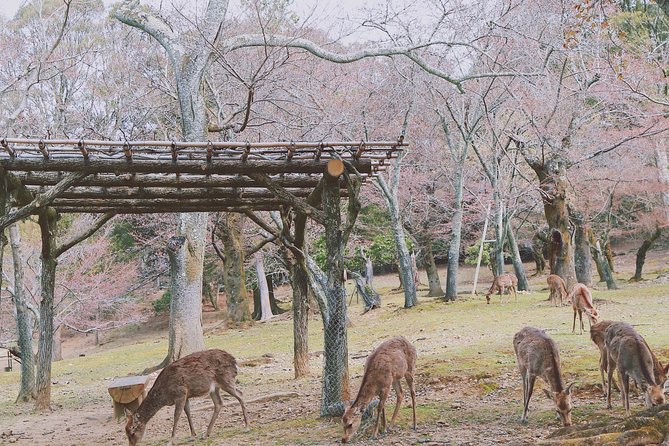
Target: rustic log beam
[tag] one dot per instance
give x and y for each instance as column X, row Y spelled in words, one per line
column 41, row 201
column 171, row 193
column 196, row 167
column 156, row 180
column 393, row 145
column 161, row 209
column 161, row 202
column 301, row 206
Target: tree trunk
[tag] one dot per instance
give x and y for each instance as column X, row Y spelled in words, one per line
column 23, row 321
column 608, row 253
column 230, row 233
column 57, row 344
column 518, row 267
column 432, row 272
column 47, row 225
column 403, row 256
column 552, row 175
column 414, row 270
column 369, row 272
column 300, row 283
column 370, row 297
column 335, row 373
column 538, row 248
column 498, row 252
column 603, row 268
column 643, row 250
column 186, row 251
column 582, row 254
column 263, row 289
column 453, row 261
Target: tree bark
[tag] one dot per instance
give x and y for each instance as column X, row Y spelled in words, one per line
column 431, row 270
column 184, row 250
column 403, row 256
column 57, row 344
column 23, row 321
column 643, row 250
column 500, row 235
column 300, row 283
column 582, row 253
column 335, row 373
column 234, row 277
column 453, row 261
column 265, row 306
column 552, row 174
column 47, row 223
column 538, row 246
column 605, row 273
column 518, row 267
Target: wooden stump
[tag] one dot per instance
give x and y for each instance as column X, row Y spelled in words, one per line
column 127, row 393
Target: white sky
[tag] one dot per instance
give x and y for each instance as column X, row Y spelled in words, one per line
column 336, row 8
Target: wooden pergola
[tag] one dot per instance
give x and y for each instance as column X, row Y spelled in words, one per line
column 122, row 177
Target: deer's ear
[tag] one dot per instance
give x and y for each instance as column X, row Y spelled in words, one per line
column 548, row 394
column 347, row 406
column 128, row 412
column 568, row 391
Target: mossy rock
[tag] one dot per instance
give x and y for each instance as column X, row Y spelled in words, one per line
column 650, row 427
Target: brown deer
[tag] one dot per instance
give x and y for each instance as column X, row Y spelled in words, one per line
column 597, row 334
column 500, row 284
column 191, row 376
column 537, row 355
column 385, row 367
column 558, row 289
column 629, row 353
column 581, row 300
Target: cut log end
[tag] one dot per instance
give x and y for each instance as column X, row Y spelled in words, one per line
column 335, row 168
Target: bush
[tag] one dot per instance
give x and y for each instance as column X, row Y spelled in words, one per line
column 163, row 304
column 472, row 254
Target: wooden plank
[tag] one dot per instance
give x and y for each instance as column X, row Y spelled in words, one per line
column 128, row 388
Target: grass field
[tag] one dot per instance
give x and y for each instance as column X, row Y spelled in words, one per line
column 468, row 386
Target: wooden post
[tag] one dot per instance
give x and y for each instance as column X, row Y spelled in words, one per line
column 478, row 261
column 127, row 393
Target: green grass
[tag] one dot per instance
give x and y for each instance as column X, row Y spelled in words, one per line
column 466, row 368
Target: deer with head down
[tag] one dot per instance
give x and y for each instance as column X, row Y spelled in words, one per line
column 391, row 361
column 537, row 355
column 500, row 284
column 558, row 289
column 191, row 376
column 629, row 353
column 581, row 301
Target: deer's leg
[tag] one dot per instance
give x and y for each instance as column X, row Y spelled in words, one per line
column 412, row 390
column 515, row 296
column 580, row 318
column 216, row 398
column 382, row 403
column 530, row 389
column 603, row 366
column 235, row 393
column 611, row 369
column 178, row 408
column 190, row 421
column 624, row 390
column 400, row 397
column 573, row 327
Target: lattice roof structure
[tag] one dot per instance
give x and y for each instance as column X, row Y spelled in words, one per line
column 177, row 176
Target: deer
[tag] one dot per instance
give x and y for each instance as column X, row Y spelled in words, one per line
column 538, row 355
column 391, row 361
column 558, row 289
column 597, row 334
column 191, row 376
column 500, row 283
column 629, row 353
column 581, row 301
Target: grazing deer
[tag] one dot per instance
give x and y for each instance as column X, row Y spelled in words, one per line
column 385, row 367
column 629, row 353
column 537, row 355
column 191, row 376
column 581, row 300
column 500, row 284
column 597, row 334
column 558, row 290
